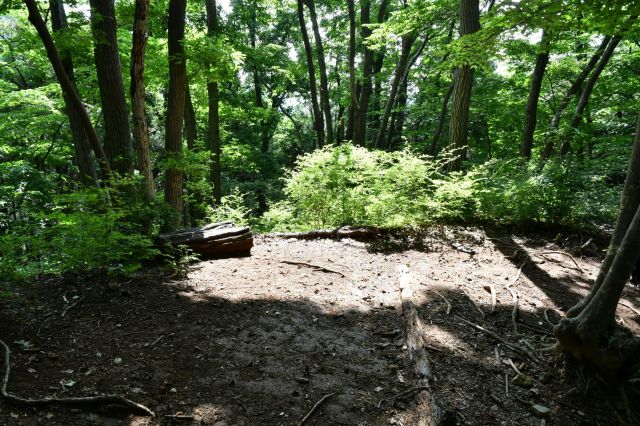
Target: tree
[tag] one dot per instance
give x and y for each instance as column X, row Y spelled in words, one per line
column 67, row 87
column 81, row 146
column 463, row 83
column 175, row 109
column 317, row 114
column 117, row 140
column 213, row 93
column 581, row 333
column 140, row 126
column 353, row 94
column 531, row 111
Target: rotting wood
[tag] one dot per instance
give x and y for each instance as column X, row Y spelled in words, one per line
column 429, row 412
column 220, row 239
column 89, row 402
column 355, row 233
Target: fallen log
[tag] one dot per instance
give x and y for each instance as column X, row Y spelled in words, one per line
column 428, row 411
column 354, row 232
column 222, row 239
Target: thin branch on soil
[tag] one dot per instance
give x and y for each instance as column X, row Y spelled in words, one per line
column 563, row 254
column 629, row 307
column 315, row 267
column 474, row 303
column 408, row 392
column 546, row 317
column 449, row 306
column 315, row 407
column 155, row 342
column 494, row 298
column 506, row 385
column 514, row 312
column 80, row 402
column 179, row 416
column 513, row 346
column 71, row 306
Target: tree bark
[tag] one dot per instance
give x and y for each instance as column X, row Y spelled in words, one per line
column 397, row 122
column 588, row 89
column 531, row 111
column 141, row 127
column 81, row 146
column 213, row 93
column 67, row 87
column 117, row 141
column 190, row 123
column 407, row 43
column 360, row 119
column 175, row 109
column 322, row 68
column 433, row 149
column 353, row 104
column 573, row 90
column 318, row 122
column 463, row 83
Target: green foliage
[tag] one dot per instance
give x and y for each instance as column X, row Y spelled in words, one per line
column 232, row 207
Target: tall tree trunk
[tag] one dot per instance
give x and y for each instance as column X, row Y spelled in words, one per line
column 397, row 122
column 214, row 118
column 531, row 111
column 318, row 122
column 81, row 146
column 353, row 104
column 175, row 109
column 117, row 141
column 141, row 128
column 588, row 89
column 433, row 149
column 629, row 203
column 573, row 90
column 190, row 123
column 581, row 333
column 67, row 87
column 360, row 119
column 407, row 43
column 324, row 84
column 463, row 83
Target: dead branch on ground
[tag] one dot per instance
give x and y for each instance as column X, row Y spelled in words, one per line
column 315, row 407
column 314, row 267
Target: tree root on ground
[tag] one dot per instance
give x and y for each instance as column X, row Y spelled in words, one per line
column 88, row 403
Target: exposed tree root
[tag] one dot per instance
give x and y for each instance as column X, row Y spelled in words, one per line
column 315, row 267
column 89, row 402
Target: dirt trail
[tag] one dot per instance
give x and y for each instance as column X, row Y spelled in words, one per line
column 259, row 340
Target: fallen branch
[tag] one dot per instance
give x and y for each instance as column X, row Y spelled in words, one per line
column 546, row 317
column 71, row 306
column 629, row 307
column 494, row 298
column 80, row 402
column 315, row 267
column 336, row 233
column 514, row 312
column 474, row 303
column 494, row 336
column 179, row 416
column 563, row 254
column 315, row 407
column 449, row 306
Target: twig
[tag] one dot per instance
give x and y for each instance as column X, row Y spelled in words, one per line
column 546, row 317
column 474, row 303
column 629, row 307
column 179, row 416
column 513, row 346
column 155, row 342
column 449, row 306
column 564, row 254
column 316, row 267
column 71, row 306
column 492, row 290
column 514, row 312
column 323, row 399
column 80, row 402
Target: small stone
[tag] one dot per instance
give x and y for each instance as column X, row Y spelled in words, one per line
column 522, row 381
column 540, row 411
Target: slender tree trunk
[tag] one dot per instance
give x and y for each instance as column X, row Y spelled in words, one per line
column 141, row 128
column 353, row 104
column 81, row 146
column 190, row 123
column 324, row 84
column 117, row 141
column 433, row 149
column 573, row 90
column 214, row 119
column 397, row 122
column 67, row 87
column 407, row 43
column 463, row 83
column 318, row 122
column 588, row 89
column 360, row 119
column 376, row 110
column 629, row 203
column 175, row 109
column 531, row 112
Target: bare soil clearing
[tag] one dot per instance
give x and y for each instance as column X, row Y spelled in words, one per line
column 261, row 339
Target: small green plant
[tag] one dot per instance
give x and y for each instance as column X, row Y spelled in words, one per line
column 232, row 207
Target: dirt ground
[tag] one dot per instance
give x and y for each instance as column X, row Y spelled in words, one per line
column 259, row 340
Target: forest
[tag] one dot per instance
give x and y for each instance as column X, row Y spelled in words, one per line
column 360, row 212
